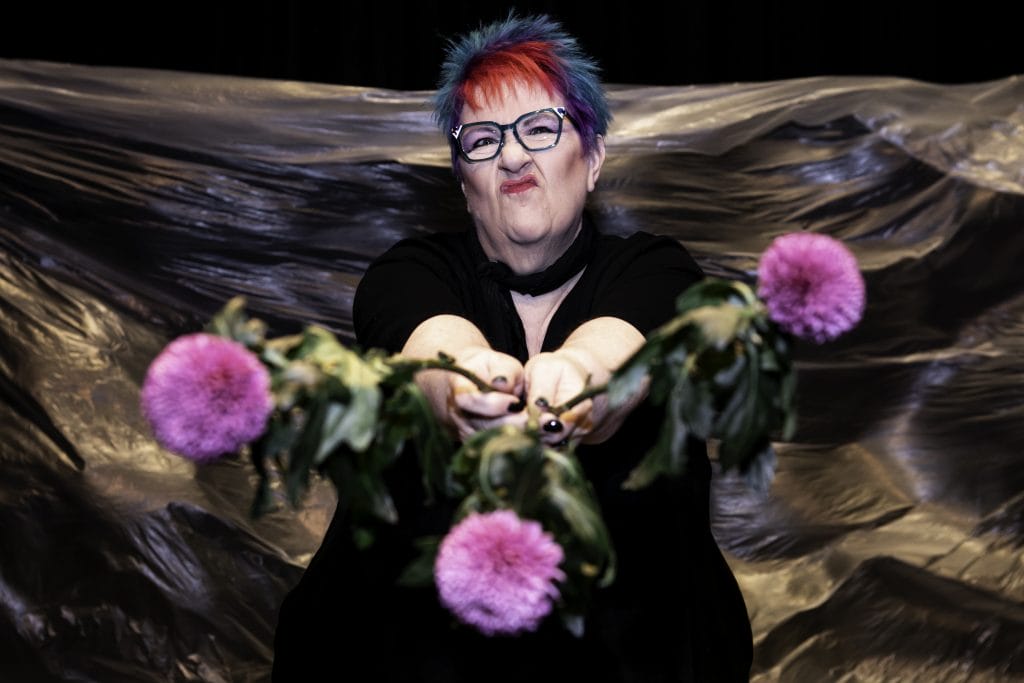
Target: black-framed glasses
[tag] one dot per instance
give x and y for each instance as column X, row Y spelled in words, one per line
column 535, row 131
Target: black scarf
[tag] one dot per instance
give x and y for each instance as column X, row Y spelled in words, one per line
column 551, row 278
column 503, row 326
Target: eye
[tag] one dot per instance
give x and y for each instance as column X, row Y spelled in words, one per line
column 478, row 137
column 541, row 129
column 482, row 142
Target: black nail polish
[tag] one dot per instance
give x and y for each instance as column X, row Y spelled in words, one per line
column 541, row 403
column 500, row 379
column 553, row 426
column 517, row 406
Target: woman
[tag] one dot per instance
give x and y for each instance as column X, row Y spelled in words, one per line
column 539, row 303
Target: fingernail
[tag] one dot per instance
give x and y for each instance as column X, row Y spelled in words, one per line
column 500, row 379
column 541, row 403
column 517, row 406
column 553, row 426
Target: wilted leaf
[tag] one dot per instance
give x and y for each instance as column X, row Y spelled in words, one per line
column 624, row 386
column 696, row 406
column 668, row 456
column 743, row 423
column 296, row 478
column 718, row 325
column 707, row 292
column 573, row 623
column 333, row 430
column 420, row 572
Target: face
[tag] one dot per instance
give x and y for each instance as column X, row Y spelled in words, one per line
column 528, row 206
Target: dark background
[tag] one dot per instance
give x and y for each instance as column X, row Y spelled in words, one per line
column 399, row 45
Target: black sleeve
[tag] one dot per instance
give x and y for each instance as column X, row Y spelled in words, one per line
column 642, row 278
column 409, row 283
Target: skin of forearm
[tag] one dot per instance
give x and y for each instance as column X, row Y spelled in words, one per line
column 452, row 335
column 600, row 346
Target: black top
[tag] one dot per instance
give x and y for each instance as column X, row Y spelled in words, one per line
column 674, row 612
column 636, row 279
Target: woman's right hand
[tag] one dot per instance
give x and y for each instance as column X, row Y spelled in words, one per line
column 471, row 410
column 454, row 399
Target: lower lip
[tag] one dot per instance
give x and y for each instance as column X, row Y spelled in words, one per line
column 516, row 188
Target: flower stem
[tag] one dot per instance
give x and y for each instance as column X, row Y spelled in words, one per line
column 580, row 398
column 446, row 362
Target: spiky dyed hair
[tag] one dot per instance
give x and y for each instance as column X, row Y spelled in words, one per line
column 531, row 49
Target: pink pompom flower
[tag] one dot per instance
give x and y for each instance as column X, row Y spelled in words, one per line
column 205, row 395
column 811, row 285
column 495, row 571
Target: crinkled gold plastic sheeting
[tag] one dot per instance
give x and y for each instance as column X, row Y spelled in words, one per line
column 134, row 203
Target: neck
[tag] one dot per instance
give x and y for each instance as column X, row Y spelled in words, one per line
column 524, row 259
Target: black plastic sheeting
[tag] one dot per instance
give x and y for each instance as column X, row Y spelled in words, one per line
column 134, row 203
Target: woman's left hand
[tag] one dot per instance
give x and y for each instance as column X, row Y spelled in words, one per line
column 586, row 359
column 552, row 379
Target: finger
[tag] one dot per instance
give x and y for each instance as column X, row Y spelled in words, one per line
column 566, row 435
column 468, row 425
column 501, row 371
column 462, row 426
column 574, row 423
column 491, row 404
column 551, row 381
column 580, row 416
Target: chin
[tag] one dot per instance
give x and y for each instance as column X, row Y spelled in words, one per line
column 530, row 227
column 527, row 234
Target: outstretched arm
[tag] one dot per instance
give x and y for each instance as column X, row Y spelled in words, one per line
column 588, row 358
column 454, row 399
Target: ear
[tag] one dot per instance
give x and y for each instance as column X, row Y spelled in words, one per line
column 462, row 186
column 596, row 161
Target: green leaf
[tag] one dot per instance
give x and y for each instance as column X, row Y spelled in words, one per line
column 280, row 436
column 581, row 517
column 229, row 320
column 696, row 406
column 788, row 400
column 381, row 503
column 296, row 477
column 263, row 500
column 355, row 423
column 668, row 455
column 432, row 444
column 744, row 422
column 332, row 432
column 718, row 325
column 420, row 572
column 625, row 385
column 362, row 536
column 727, row 369
column 361, row 489
column 680, row 430
column 707, row 292
column 276, row 351
column 769, row 360
column 573, row 623
column 628, row 379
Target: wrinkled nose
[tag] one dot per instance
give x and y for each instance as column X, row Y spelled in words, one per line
column 513, row 155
